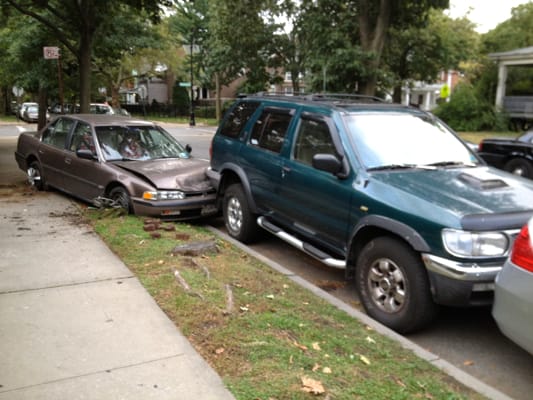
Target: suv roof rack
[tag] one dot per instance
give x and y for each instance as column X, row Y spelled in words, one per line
column 337, row 98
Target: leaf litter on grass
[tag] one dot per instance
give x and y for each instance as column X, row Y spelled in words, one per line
column 278, row 341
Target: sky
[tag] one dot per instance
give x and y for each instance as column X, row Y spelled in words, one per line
column 486, row 14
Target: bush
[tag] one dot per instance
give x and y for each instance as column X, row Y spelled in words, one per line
column 468, row 112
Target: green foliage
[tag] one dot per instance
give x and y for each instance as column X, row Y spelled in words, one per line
column 467, row 111
column 181, row 99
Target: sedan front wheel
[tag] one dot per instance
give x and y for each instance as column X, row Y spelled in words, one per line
column 121, row 198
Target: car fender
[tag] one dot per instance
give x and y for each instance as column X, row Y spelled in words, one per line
column 369, row 223
column 233, row 173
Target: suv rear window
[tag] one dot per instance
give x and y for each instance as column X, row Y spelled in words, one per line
column 238, row 118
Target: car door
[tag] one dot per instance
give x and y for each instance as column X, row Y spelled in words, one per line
column 84, row 178
column 316, row 202
column 261, row 157
column 52, row 151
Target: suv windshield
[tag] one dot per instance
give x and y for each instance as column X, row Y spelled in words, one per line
column 405, row 140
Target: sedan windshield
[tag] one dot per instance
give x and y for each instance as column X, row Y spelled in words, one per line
column 138, row 143
column 406, row 141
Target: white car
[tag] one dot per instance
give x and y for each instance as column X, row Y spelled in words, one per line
column 101, row 108
column 23, row 108
column 513, row 297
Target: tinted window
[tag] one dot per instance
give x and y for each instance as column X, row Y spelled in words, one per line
column 313, row 137
column 270, row 130
column 238, row 118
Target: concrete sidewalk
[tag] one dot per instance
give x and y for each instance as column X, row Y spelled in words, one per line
column 74, row 321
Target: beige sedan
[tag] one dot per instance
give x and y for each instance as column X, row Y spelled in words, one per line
column 119, row 162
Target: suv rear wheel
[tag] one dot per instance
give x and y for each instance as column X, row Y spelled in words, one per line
column 393, row 285
column 239, row 220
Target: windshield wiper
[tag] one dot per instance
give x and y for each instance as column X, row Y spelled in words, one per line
column 451, row 164
column 391, row 167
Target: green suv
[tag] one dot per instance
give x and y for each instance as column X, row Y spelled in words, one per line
column 387, row 192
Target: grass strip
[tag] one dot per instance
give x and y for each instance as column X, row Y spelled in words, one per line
column 268, row 338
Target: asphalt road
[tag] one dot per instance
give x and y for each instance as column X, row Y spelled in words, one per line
column 467, row 338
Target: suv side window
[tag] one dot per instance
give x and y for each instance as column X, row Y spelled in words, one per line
column 313, row 137
column 238, row 118
column 270, row 129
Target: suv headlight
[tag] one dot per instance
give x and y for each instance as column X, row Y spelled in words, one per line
column 475, row 244
column 164, row 195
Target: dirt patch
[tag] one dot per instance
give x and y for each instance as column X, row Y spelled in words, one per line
column 16, row 191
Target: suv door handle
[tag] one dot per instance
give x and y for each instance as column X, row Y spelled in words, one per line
column 285, row 170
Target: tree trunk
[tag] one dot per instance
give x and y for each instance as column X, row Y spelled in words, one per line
column 218, row 101
column 43, row 105
column 373, row 40
column 85, row 53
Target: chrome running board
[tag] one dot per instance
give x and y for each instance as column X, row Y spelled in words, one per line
column 300, row 245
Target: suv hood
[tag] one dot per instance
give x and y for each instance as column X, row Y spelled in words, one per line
column 457, row 191
column 171, row 174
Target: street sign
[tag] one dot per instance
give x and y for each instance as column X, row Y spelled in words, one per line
column 18, row 91
column 185, row 84
column 51, row 53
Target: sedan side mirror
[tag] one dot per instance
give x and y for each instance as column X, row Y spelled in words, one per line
column 86, row 154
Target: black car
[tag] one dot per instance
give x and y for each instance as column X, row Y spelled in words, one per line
column 513, row 155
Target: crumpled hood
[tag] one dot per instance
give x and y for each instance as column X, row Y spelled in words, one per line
column 457, row 191
column 187, row 174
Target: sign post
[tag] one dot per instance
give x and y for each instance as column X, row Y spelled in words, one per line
column 52, row 53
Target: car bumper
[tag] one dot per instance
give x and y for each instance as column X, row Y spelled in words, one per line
column 461, row 284
column 513, row 305
column 177, row 210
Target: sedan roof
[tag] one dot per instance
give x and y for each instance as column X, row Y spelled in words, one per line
column 106, row 119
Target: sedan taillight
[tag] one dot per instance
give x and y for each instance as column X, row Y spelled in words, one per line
column 522, row 254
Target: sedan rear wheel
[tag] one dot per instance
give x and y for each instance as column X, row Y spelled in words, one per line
column 35, row 176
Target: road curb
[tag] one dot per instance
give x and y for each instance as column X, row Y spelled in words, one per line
column 448, row 368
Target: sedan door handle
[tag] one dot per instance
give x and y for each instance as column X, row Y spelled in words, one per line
column 285, row 170
column 68, row 161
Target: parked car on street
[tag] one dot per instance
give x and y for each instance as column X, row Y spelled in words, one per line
column 513, row 155
column 386, row 192
column 118, row 161
column 31, row 114
column 513, row 300
column 23, row 107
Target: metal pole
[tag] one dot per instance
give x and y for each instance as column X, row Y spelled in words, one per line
column 192, row 122
column 60, row 83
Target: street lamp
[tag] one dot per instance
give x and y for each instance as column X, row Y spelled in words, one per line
column 192, row 122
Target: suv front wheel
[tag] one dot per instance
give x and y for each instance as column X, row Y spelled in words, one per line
column 393, row 286
column 239, row 220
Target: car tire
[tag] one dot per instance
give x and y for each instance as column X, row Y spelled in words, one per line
column 239, row 220
column 519, row 166
column 121, row 197
column 36, row 177
column 393, row 285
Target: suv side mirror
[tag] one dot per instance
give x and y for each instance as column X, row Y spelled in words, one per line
column 327, row 162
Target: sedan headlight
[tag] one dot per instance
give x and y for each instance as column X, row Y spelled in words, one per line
column 475, row 244
column 164, row 195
